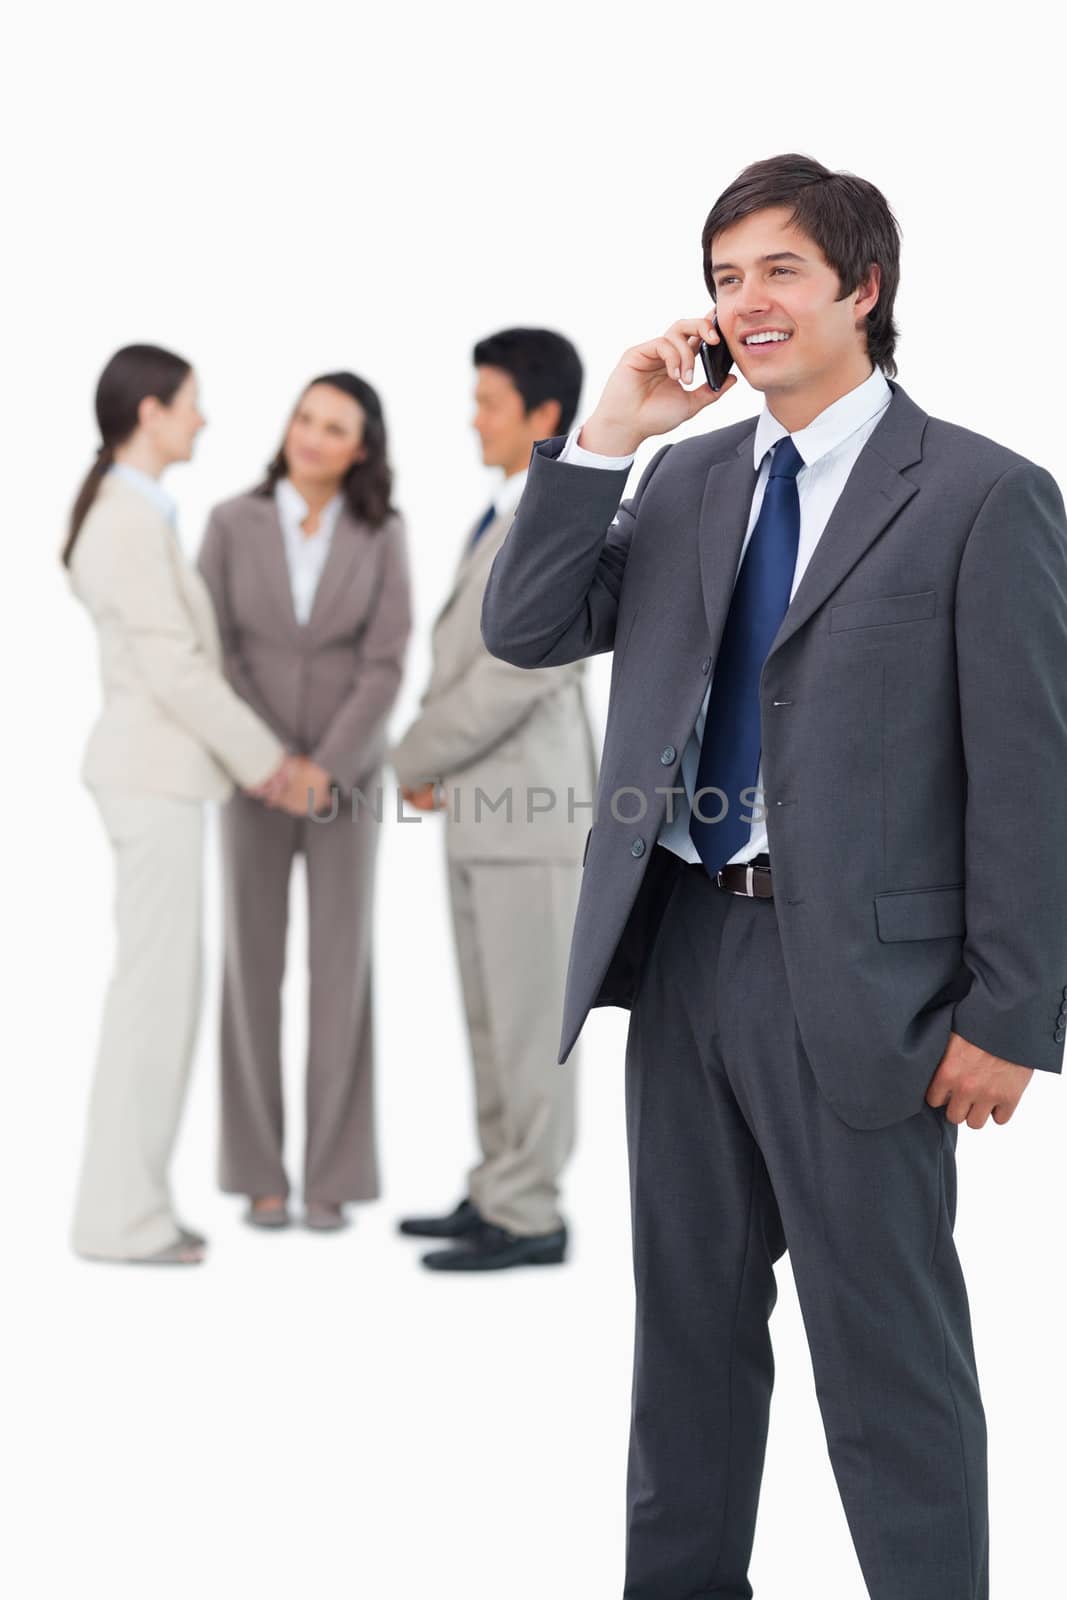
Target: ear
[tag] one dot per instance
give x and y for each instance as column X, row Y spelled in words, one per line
column 868, row 291
column 148, row 411
column 546, row 418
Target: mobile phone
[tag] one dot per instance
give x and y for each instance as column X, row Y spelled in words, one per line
column 716, row 359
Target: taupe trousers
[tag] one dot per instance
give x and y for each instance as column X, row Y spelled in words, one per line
column 148, row 1030
column 513, row 996
column 259, row 845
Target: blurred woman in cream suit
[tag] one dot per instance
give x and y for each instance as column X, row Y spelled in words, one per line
column 171, row 735
column 309, row 575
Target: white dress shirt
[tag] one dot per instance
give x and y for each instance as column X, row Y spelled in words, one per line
column 150, row 487
column 509, row 494
column 828, row 446
column 305, row 553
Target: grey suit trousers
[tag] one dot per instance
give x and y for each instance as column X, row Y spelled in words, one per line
column 736, row 1155
column 259, row 844
column 512, row 923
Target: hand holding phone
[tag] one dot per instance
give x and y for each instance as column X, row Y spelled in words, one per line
column 646, row 394
column 716, row 359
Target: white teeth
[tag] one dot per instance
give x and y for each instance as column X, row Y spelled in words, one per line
column 767, row 338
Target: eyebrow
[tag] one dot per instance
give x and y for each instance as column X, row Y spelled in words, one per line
column 776, row 255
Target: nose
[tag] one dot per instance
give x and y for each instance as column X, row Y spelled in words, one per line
column 752, row 302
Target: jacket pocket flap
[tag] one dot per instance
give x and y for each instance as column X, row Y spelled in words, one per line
column 920, row 913
column 885, row 608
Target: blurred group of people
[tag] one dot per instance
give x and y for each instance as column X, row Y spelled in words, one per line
column 264, row 679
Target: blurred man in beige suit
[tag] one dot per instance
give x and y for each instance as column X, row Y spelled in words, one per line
column 509, row 756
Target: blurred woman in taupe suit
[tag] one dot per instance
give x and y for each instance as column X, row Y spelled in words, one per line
column 172, row 734
column 309, row 576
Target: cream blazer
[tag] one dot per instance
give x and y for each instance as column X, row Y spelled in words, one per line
column 170, row 724
column 515, row 748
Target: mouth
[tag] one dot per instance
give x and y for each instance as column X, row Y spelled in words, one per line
column 765, row 339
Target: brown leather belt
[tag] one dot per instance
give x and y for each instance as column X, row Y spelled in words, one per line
column 748, row 877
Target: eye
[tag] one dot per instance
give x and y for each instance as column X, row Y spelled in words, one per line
column 784, row 269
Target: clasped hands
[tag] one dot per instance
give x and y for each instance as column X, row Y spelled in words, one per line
column 423, row 797
column 298, row 785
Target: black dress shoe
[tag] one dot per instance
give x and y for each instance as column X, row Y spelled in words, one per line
column 463, row 1220
column 492, row 1248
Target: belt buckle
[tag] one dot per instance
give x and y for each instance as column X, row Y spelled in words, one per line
column 749, row 889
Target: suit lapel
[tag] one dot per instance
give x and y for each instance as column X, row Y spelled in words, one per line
column 724, row 514
column 472, row 561
column 347, row 548
column 872, row 496
column 273, row 564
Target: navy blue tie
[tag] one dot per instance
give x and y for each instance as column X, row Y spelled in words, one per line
column 730, row 748
column 480, row 529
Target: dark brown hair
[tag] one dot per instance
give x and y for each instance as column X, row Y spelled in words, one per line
column 368, row 484
column 136, row 372
column 847, row 217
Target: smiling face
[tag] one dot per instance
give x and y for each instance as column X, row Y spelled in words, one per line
column 772, row 281
column 325, row 437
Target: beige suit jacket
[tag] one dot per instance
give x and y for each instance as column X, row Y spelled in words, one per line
column 486, row 726
column 326, row 686
column 170, row 723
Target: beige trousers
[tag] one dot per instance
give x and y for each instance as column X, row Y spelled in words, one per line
column 512, row 925
column 148, row 1031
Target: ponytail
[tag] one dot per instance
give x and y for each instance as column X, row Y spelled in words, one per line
column 134, row 373
column 105, row 456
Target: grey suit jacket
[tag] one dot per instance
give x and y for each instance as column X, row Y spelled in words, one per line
column 325, row 686
column 914, row 724
column 519, row 740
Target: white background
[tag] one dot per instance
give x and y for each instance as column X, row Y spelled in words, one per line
column 274, row 190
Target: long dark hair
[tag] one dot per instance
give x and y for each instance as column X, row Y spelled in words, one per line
column 368, row 484
column 848, row 218
column 136, row 372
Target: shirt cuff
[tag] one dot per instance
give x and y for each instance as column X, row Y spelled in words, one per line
column 577, row 456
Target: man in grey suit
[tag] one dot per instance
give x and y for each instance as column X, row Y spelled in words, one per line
column 824, row 873
column 509, row 756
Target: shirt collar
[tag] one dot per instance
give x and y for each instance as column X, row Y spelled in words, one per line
column 831, row 427
column 150, row 487
column 294, row 508
column 509, row 494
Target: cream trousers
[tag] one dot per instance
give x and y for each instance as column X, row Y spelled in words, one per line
column 148, row 1031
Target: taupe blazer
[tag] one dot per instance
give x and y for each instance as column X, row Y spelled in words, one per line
column 490, row 729
column 326, row 686
column 170, row 724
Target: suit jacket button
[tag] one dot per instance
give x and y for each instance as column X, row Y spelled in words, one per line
column 1059, row 1035
column 638, row 847
column 705, row 666
column 667, row 756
